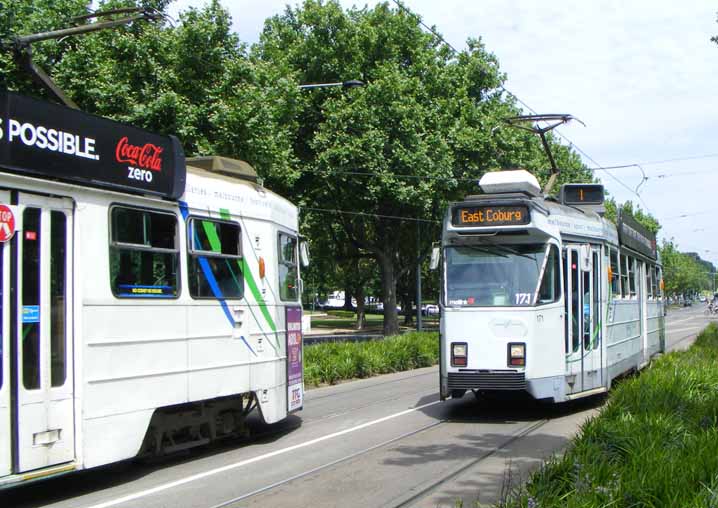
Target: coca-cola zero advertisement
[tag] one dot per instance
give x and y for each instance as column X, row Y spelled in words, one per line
column 52, row 141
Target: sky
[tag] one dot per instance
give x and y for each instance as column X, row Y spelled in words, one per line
column 641, row 74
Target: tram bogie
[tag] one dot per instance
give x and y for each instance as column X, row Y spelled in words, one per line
column 544, row 296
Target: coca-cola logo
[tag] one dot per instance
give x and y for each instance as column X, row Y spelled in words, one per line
column 147, row 156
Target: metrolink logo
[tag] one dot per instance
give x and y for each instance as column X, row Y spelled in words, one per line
column 44, row 138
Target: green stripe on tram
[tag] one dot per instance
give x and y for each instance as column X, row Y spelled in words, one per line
column 253, row 288
column 212, row 236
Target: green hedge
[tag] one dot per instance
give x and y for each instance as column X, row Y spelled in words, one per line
column 655, row 444
column 334, row 361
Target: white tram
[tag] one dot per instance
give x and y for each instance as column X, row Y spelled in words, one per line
column 544, row 295
column 148, row 302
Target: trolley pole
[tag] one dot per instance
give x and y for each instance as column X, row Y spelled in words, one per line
column 418, row 277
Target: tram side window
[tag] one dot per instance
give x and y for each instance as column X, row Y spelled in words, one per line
column 550, row 289
column 288, row 274
column 214, row 259
column 632, row 276
column 143, row 253
column 576, row 304
column 654, row 283
column 566, row 300
column 624, row 276
column 649, row 287
column 615, row 274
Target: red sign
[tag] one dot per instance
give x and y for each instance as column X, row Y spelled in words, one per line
column 147, row 156
column 7, row 223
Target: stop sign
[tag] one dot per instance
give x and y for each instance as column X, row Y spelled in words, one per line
column 7, row 223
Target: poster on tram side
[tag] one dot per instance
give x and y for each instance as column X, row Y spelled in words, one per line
column 295, row 392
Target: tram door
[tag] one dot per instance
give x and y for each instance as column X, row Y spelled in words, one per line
column 583, row 323
column 5, row 442
column 43, row 426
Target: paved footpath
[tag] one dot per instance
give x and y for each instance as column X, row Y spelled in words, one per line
column 385, row 441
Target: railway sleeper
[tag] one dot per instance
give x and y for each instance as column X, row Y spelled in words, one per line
column 181, row 427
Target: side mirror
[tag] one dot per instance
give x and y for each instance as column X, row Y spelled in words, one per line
column 304, row 253
column 435, row 256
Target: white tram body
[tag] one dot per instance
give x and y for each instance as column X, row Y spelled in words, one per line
column 135, row 322
column 544, row 295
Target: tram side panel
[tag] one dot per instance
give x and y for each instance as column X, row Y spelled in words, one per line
column 655, row 326
column 140, row 354
column 624, row 341
column 134, row 349
column 262, row 318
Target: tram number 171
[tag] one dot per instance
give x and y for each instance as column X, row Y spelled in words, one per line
column 523, row 298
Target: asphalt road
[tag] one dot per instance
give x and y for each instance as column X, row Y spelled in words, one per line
column 385, row 441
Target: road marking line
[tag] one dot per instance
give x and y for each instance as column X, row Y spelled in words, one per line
column 229, row 467
column 668, row 325
column 697, row 327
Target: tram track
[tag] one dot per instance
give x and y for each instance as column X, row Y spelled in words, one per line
column 430, row 489
column 230, row 502
column 421, row 494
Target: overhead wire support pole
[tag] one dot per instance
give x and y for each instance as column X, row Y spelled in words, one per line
column 419, row 326
column 21, row 45
column 553, row 121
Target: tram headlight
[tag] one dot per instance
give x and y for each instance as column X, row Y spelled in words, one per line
column 459, row 353
column 517, row 354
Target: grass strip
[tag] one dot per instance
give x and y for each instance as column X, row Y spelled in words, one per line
column 655, row 444
column 334, row 361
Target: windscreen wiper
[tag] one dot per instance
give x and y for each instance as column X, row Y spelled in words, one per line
column 485, row 250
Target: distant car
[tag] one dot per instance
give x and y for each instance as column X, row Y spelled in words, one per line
column 687, row 302
column 702, row 298
column 431, row 310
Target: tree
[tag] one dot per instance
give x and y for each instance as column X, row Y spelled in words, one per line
column 644, row 218
column 682, row 273
column 194, row 80
column 419, row 134
column 23, row 17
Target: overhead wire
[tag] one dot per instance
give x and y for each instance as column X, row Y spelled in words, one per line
column 523, row 103
column 375, row 215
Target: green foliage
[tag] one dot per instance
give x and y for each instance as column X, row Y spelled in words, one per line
column 644, row 218
column 421, row 132
column 654, row 444
column 194, row 80
column 24, row 17
column 335, row 361
column 682, row 272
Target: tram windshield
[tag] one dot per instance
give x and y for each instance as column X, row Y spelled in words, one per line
column 501, row 275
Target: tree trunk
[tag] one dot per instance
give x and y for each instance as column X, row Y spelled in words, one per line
column 348, row 299
column 361, row 314
column 388, row 287
column 406, row 306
